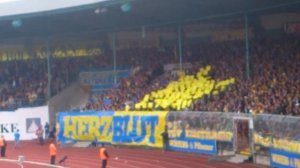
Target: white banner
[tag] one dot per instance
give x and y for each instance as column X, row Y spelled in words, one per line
column 26, row 120
column 172, row 67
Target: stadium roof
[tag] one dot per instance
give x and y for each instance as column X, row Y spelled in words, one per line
column 110, row 15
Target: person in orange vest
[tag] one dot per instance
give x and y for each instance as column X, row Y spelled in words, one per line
column 53, row 152
column 103, row 155
column 2, row 146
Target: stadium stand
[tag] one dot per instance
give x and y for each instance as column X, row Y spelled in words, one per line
column 24, row 83
column 216, row 78
column 273, row 87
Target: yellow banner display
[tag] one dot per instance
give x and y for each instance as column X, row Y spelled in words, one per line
column 264, row 141
column 86, row 126
column 201, row 134
column 139, row 128
column 286, row 145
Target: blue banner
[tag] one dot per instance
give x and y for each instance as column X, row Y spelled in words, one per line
column 139, row 128
column 100, row 80
column 193, row 145
column 283, row 159
column 120, row 127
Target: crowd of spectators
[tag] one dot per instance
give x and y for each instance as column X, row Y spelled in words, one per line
column 273, row 86
column 147, row 75
column 274, row 81
column 24, row 83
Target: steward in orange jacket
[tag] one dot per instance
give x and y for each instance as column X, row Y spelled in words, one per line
column 53, row 152
column 103, row 156
column 2, row 146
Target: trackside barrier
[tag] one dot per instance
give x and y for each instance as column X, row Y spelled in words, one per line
column 280, row 158
column 275, row 137
column 26, row 120
column 200, row 132
column 278, row 137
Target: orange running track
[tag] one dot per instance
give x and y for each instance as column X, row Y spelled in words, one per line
column 119, row 158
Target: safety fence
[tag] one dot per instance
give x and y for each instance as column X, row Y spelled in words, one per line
column 278, row 137
column 214, row 133
column 200, row 132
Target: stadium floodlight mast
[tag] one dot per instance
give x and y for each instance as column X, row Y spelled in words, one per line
column 143, row 31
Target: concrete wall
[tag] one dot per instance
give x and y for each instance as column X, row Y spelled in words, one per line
column 68, row 99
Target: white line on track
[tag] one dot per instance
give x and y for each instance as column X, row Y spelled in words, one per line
column 31, row 162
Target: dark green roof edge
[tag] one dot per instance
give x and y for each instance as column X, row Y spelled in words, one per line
column 65, row 10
